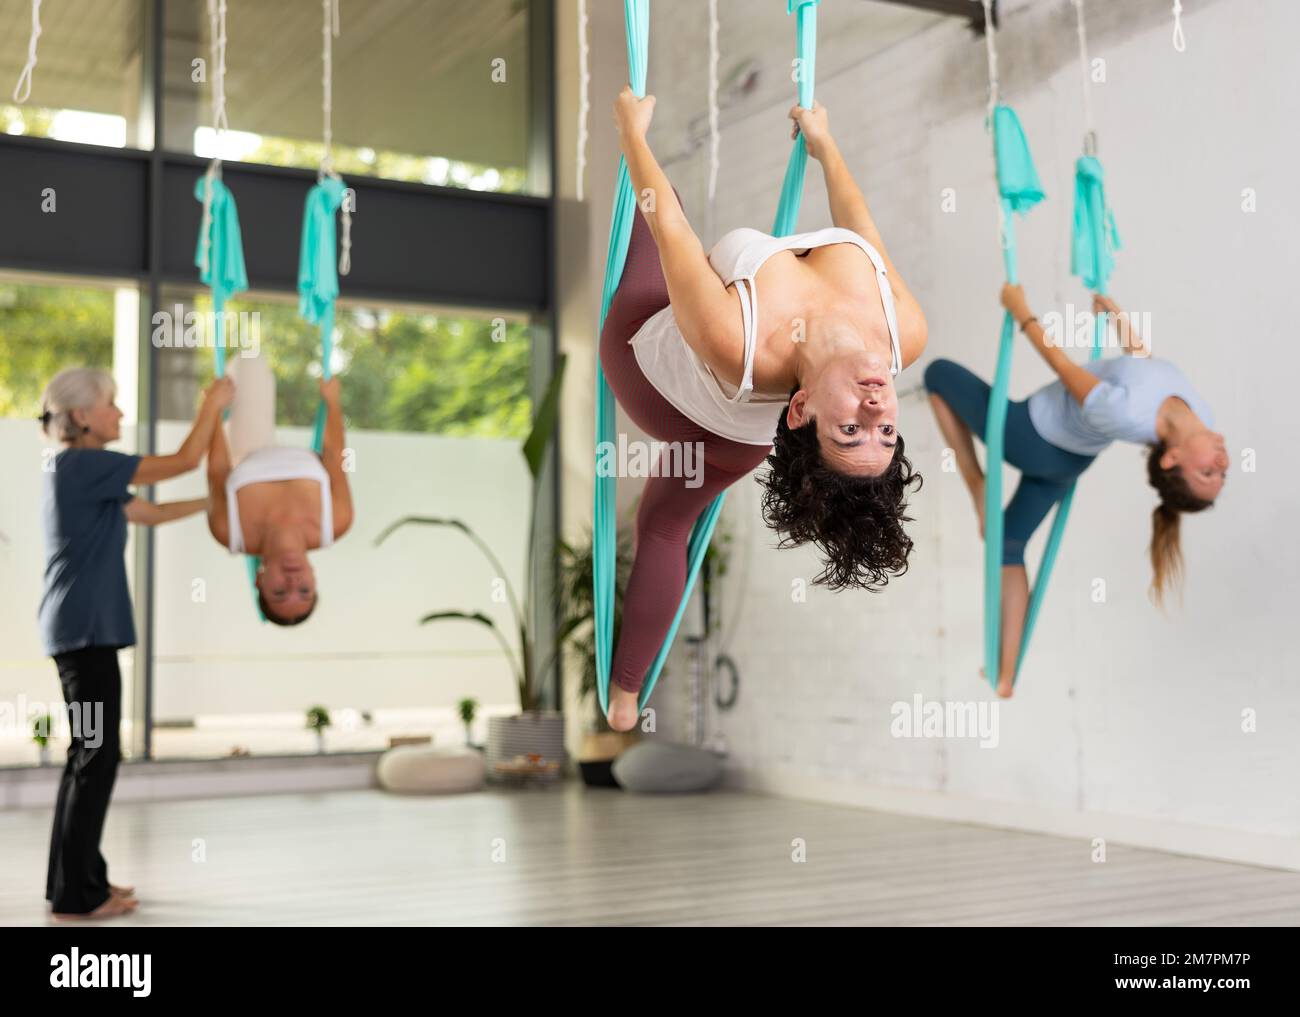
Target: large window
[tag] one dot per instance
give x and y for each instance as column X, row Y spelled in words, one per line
column 432, row 91
column 437, row 406
column 89, row 84
column 45, row 327
column 437, row 384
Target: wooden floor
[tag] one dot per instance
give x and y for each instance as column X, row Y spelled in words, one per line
column 570, row 856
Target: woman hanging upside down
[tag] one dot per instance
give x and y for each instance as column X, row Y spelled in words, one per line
column 804, row 381
column 277, row 502
column 1054, row 435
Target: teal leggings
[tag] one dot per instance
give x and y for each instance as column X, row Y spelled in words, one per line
column 1046, row 472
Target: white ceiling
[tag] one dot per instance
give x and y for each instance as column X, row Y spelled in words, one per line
column 409, row 75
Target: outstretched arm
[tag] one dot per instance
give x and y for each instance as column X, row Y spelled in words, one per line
column 1129, row 340
column 331, row 454
column 218, row 471
column 1078, row 381
column 147, row 513
column 849, row 210
column 152, row 469
column 709, row 316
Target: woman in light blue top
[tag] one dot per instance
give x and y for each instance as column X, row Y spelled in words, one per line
column 1054, row 435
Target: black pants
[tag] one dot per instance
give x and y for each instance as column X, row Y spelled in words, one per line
column 77, row 882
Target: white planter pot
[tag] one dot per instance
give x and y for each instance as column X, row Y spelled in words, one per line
column 523, row 734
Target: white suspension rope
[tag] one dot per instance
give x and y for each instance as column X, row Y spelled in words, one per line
column 23, row 90
column 584, row 101
column 995, row 96
column 330, row 32
column 1180, row 40
column 715, row 136
column 1090, row 137
column 217, row 66
column 991, row 46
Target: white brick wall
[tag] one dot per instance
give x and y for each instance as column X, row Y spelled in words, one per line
column 1122, row 712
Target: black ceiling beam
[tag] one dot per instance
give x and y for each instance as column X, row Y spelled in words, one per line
column 970, row 10
column 412, row 243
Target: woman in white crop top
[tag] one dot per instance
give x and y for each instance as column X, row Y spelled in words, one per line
column 275, row 501
column 782, row 349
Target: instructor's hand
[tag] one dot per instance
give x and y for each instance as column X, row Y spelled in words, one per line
column 632, row 115
column 815, row 127
column 219, row 394
column 1013, row 299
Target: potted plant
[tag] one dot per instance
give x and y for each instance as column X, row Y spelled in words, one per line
column 41, row 736
column 531, row 732
column 318, row 719
column 577, row 634
column 467, row 708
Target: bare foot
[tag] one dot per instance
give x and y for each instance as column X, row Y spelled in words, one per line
column 1006, row 683
column 114, row 907
column 623, row 708
column 121, row 891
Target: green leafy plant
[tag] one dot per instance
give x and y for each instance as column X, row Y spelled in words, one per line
column 575, row 594
column 41, row 730
column 467, row 708
column 522, row 656
column 318, row 719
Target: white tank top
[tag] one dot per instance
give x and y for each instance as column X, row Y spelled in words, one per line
column 682, row 377
column 272, row 463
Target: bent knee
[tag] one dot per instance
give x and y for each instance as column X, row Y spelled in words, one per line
column 938, row 373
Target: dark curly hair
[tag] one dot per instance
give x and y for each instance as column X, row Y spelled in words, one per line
column 856, row 522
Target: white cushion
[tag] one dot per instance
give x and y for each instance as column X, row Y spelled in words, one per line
column 653, row 766
column 423, row 769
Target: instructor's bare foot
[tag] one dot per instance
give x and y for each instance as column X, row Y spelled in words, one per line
column 623, row 708
column 121, row 891
column 114, row 907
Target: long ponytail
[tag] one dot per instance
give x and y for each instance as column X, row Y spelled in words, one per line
column 1175, row 499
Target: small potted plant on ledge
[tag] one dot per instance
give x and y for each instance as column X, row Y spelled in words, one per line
column 467, row 708
column 531, row 733
column 318, row 719
column 41, row 736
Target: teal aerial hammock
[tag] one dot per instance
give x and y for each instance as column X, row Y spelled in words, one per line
column 220, row 253
column 220, row 260
column 604, row 534
column 1093, row 241
column 319, row 263
column 318, row 277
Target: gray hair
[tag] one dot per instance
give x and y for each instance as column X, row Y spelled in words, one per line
column 76, row 388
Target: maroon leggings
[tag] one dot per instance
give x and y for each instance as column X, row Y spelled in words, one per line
column 668, row 507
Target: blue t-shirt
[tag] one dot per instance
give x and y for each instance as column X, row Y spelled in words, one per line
column 1122, row 408
column 87, row 601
